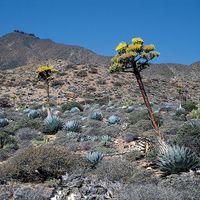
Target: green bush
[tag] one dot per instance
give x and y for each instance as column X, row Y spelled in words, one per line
column 141, row 176
column 195, row 114
column 134, row 155
column 39, row 163
column 144, row 125
column 189, row 135
column 23, row 123
column 71, row 104
column 136, row 116
column 7, row 141
column 114, row 170
column 189, row 106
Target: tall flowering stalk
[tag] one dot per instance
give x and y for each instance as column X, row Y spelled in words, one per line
column 133, row 58
column 45, row 74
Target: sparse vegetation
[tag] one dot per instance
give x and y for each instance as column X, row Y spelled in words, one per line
column 71, row 104
column 189, row 135
column 189, row 106
column 7, row 141
column 39, row 163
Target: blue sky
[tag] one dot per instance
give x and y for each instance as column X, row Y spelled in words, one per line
column 172, row 25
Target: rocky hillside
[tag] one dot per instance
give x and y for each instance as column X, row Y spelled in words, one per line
column 19, row 49
column 84, row 75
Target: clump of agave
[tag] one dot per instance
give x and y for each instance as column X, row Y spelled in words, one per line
column 114, row 119
column 33, row 114
column 75, row 110
column 94, row 157
column 174, row 159
column 96, row 115
column 72, row 126
column 3, row 122
column 52, row 124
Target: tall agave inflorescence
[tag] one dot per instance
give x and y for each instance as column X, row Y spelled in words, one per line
column 45, row 74
column 133, row 58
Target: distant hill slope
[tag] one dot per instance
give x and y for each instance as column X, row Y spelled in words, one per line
column 19, row 49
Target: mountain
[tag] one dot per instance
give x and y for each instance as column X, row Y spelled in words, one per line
column 84, row 75
column 19, row 49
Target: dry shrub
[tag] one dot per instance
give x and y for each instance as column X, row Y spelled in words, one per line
column 40, row 163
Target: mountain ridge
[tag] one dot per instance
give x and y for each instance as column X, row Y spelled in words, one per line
column 19, row 49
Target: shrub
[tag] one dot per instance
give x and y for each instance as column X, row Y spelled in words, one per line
column 143, row 176
column 70, row 104
column 114, row 170
column 136, row 116
column 23, row 123
column 186, row 183
column 104, row 149
column 148, row 192
column 134, row 155
column 189, row 135
column 7, row 141
column 40, row 163
column 195, row 114
column 175, row 159
column 144, row 125
column 189, row 106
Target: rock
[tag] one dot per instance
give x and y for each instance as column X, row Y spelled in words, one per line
column 29, row 193
column 129, row 137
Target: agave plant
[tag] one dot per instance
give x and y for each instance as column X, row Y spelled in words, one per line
column 75, row 110
column 114, row 119
column 3, row 122
column 96, row 115
column 106, row 138
column 73, row 126
column 52, row 124
column 33, row 114
column 94, row 157
column 174, row 159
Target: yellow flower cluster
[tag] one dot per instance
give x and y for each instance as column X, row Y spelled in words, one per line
column 43, row 69
column 126, row 56
column 148, row 48
column 121, row 46
column 134, row 47
column 137, row 41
